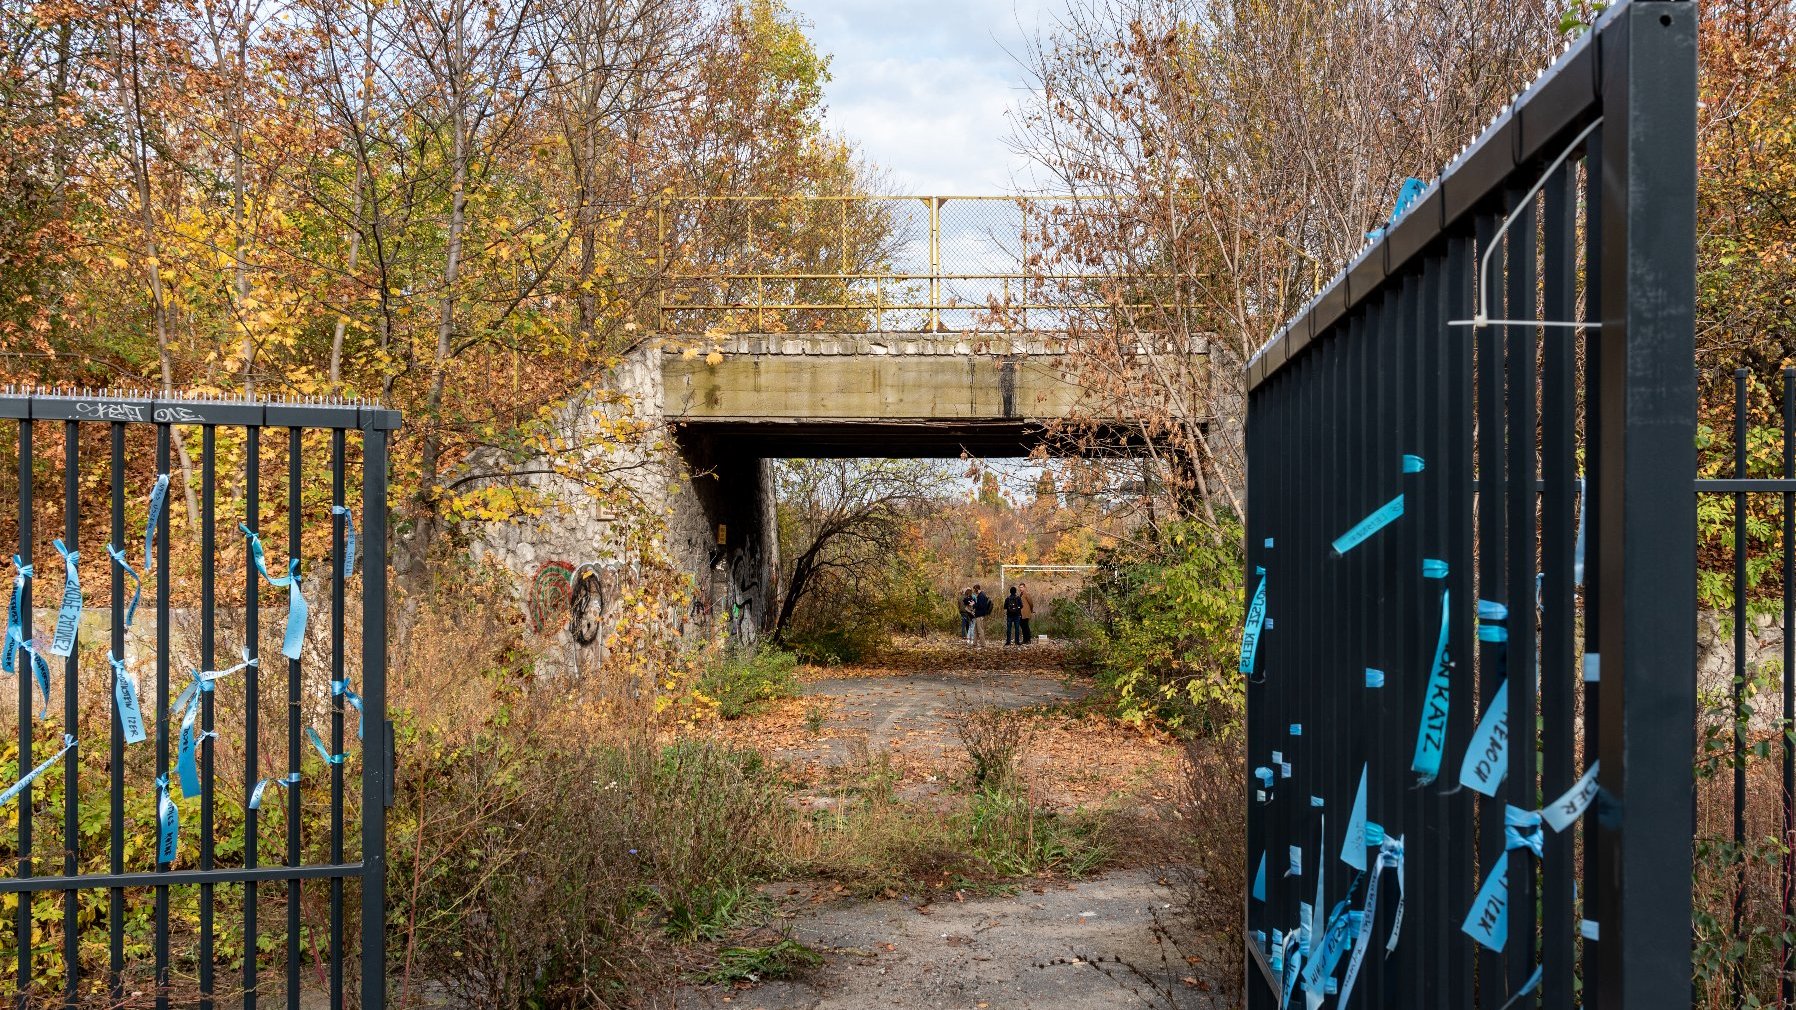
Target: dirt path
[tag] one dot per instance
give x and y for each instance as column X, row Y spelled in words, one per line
column 1054, row 942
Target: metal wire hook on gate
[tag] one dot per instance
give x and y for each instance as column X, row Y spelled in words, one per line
column 1482, row 318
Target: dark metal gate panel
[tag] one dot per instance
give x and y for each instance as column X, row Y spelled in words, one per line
column 1473, row 443
column 167, row 704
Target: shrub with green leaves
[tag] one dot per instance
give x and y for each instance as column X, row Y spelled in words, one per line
column 743, row 678
column 1170, row 646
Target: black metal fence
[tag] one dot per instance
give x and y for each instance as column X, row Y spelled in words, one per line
column 206, row 816
column 1471, row 711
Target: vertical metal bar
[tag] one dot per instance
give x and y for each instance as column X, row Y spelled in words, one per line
column 71, row 723
column 1492, row 574
column 208, row 661
column 162, row 642
column 1648, row 403
column 293, row 738
column 935, row 264
column 1593, row 545
column 1522, row 435
column 1736, row 983
column 1786, row 963
column 23, row 924
column 336, row 672
column 1403, row 574
column 1457, row 866
column 1432, row 383
column 252, row 705
column 376, row 744
column 1558, row 423
column 115, row 897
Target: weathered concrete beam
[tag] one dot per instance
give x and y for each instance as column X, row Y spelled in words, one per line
column 868, row 387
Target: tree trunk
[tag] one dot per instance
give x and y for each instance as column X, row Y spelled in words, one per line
column 431, row 448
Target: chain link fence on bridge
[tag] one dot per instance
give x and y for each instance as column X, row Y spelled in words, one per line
column 882, row 264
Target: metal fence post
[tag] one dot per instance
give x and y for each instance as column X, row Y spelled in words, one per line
column 1647, row 404
column 377, row 784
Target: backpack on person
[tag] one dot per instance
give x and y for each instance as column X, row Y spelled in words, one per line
column 982, row 604
column 1013, row 605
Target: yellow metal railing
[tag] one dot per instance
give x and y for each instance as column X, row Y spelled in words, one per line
column 881, row 264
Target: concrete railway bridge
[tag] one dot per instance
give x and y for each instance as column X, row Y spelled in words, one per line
column 930, row 338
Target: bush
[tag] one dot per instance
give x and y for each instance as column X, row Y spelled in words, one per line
column 1170, row 646
column 1068, row 619
column 834, row 644
column 995, row 740
column 743, row 678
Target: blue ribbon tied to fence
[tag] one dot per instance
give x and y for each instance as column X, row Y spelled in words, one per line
column 1487, row 755
column 1488, row 921
column 124, row 696
column 1256, row 622
column 16, row 641
column 158, row 499
column 1381, row 517
column 1390, row 856
column 118, row 558
column 12, row 792
column 1363, row 530
column 168, row 824
column 68, row 616
column 1431, row 736
column 296, row 602
column 323, row 751
column 15, row 616
column 189, row 705
column 286, row 781
column 341, row 688
column 348, row 539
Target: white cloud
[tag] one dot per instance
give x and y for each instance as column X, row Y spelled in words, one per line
column 923, row 86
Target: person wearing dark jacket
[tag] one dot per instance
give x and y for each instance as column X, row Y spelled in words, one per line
column 966, row 615
column 982, row 608
column 1013, row 618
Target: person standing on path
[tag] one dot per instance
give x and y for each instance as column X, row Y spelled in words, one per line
column 982, row 607
column 1013, row 618
column 1027, row 611
column 966, row 615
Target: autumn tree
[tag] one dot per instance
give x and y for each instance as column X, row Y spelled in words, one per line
column 841, row 523
column 1234, row 155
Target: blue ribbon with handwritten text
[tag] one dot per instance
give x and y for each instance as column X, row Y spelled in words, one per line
column 1363, row 530
column 1486, row 761
column 158, row 499
column 168, row 824
column 1431, row 736
column 1488, row 921
column 124, row 696
column 68, row 616
column 1256, row 621
column 348, row 539
column 15, row 616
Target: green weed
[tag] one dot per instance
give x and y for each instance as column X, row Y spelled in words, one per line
column 784, row 959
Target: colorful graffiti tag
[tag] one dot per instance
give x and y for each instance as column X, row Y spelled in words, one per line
column 546, row 603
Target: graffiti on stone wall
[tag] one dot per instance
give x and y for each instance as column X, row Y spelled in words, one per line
column 744, row 592
column 562, row 594
column 586, row 604
column 546, row 601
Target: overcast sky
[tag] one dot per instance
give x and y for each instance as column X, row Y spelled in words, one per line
column 923, row 86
